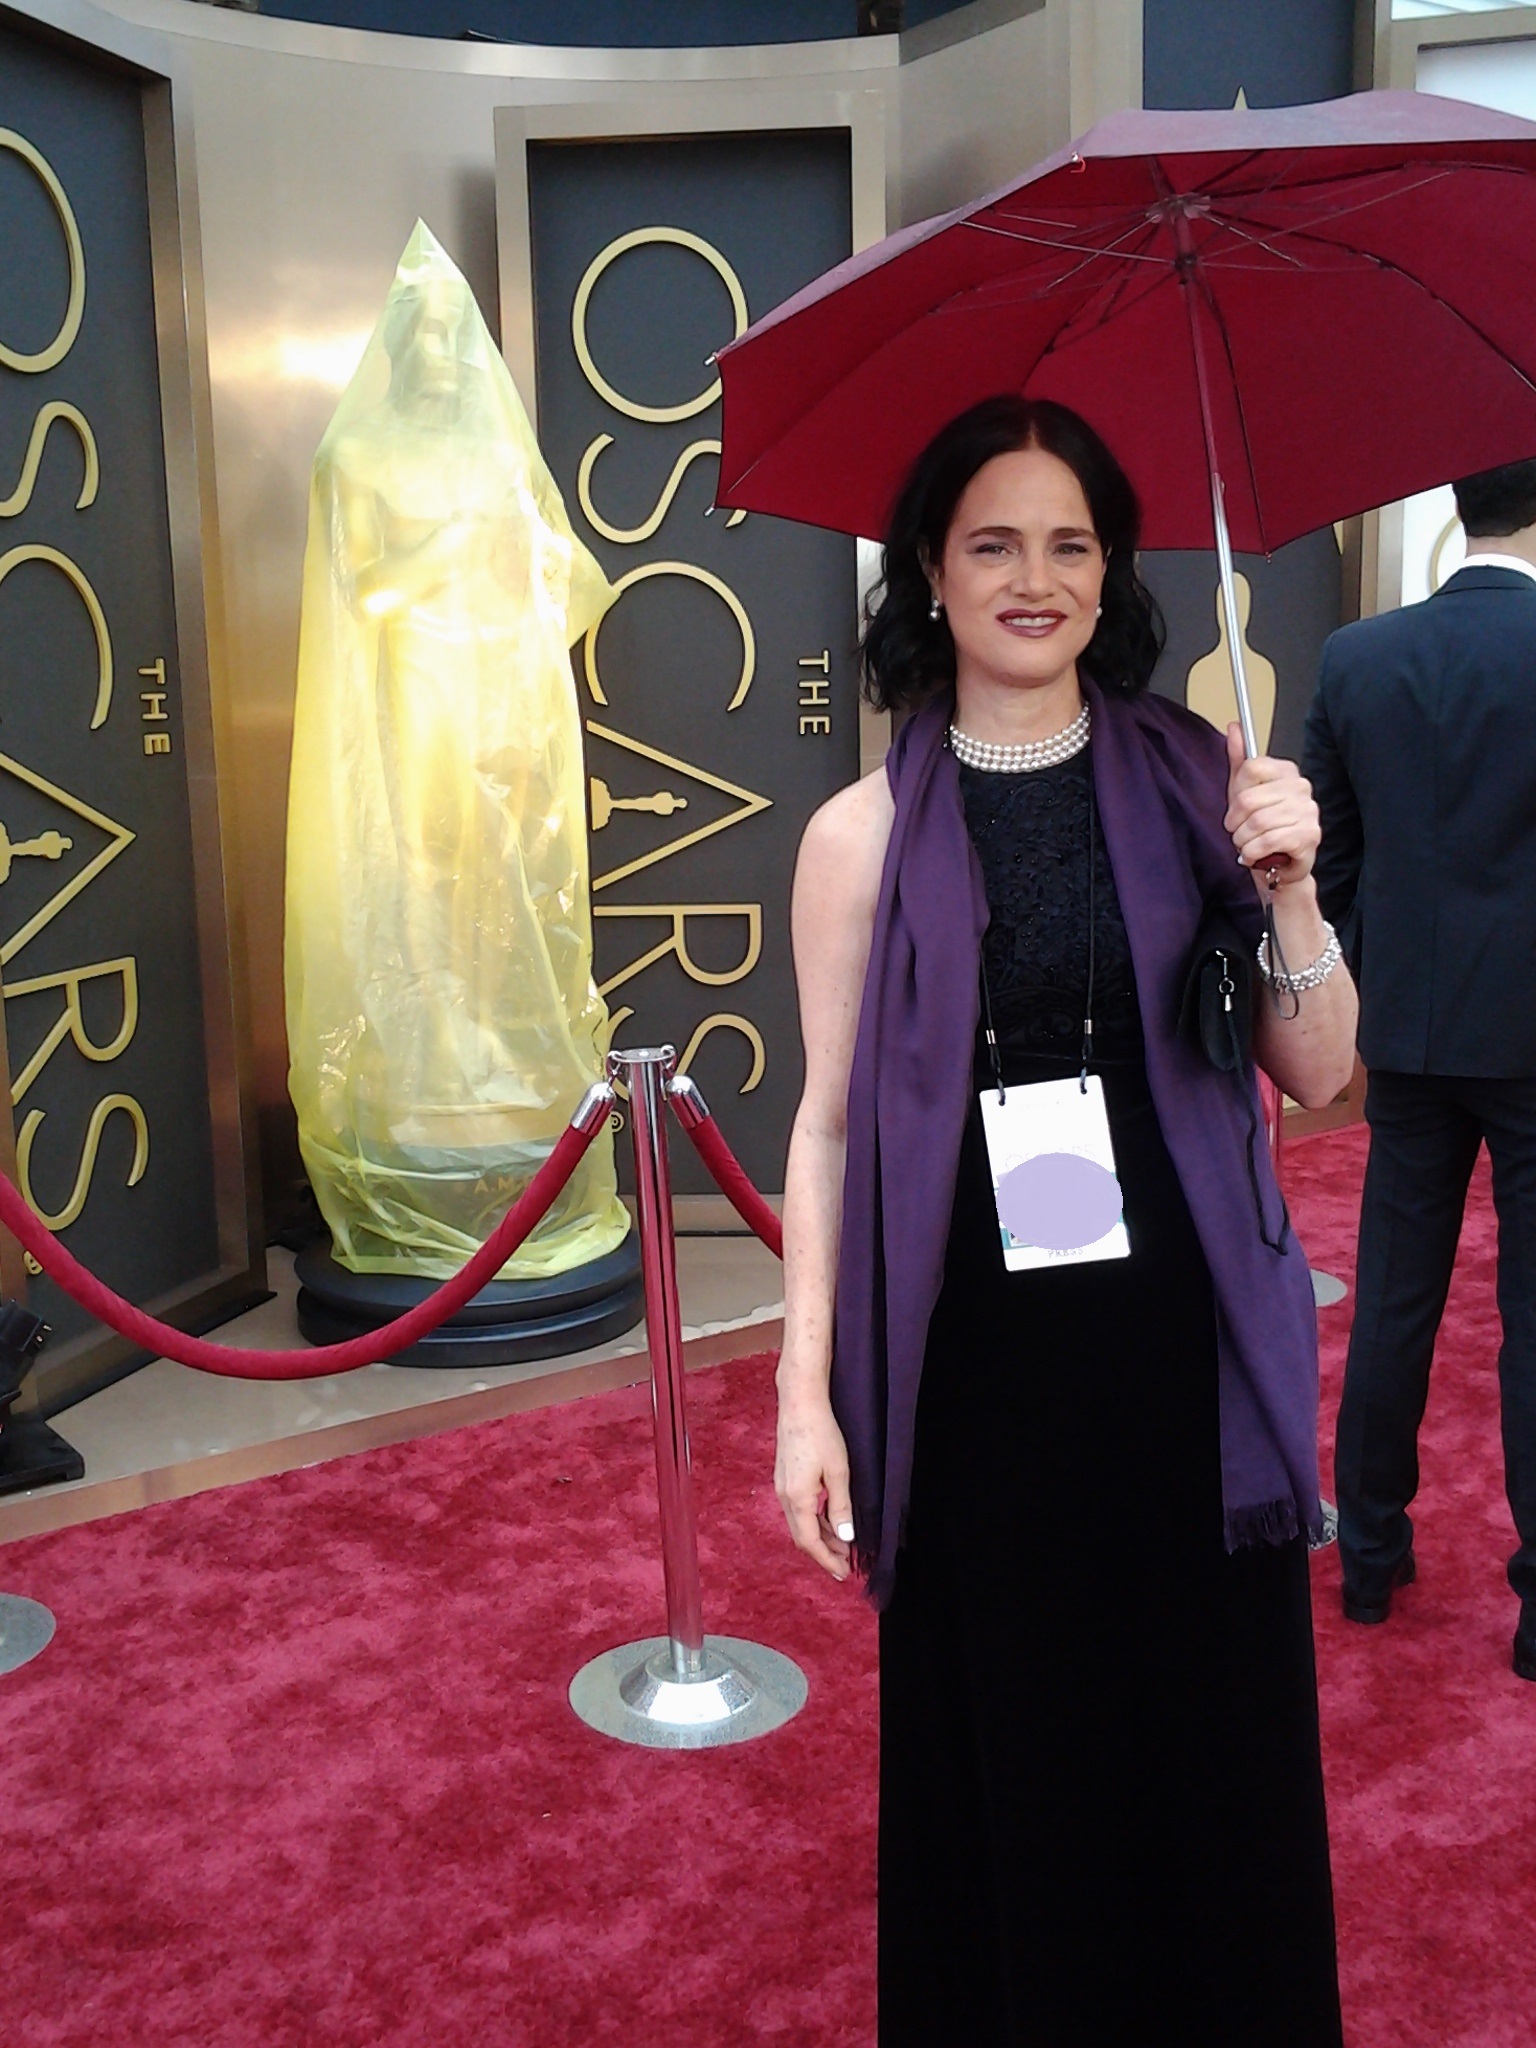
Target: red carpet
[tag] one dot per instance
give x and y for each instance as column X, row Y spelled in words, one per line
column 298, row 1771
column 1429, row 1738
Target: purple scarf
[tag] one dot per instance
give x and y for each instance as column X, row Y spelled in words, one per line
column 1160, row 776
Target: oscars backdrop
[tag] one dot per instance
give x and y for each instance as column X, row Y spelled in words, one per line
column 718, row 695
column 104, row 752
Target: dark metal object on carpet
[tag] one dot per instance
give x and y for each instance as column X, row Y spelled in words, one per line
column 507, row 1323
column 26, row 1629
column 31, row 1453
column 683, row 1690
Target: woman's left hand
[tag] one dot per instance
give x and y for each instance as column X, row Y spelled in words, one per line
column 1271, row 816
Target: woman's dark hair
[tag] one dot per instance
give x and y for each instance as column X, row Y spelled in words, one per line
column 909, row 656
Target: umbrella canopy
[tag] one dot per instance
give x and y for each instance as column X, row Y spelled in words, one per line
column 1361, row 274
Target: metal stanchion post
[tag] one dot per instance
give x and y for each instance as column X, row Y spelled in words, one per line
column 664, row 1330
column 683, row 1690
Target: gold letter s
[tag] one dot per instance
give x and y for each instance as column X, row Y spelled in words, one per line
column 627, row 536
column 21, row 497
column 27, row 1135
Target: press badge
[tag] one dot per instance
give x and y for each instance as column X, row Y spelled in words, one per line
column 1053, row 1174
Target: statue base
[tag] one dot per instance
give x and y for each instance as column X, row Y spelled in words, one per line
column 510, row 1322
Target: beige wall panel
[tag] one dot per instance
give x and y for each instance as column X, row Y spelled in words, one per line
column 980, row 112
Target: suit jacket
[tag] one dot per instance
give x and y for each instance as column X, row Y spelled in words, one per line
column 1421, row 749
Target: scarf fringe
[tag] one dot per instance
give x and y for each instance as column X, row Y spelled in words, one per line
column 1272, row 1521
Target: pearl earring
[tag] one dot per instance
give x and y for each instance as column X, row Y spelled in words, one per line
column 935, row 609
column 1098, row 611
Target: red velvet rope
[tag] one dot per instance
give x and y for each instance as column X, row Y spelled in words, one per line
column 314, row 1361
column 732, row 1182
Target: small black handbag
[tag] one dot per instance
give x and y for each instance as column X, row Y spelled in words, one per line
column 1216, row 1013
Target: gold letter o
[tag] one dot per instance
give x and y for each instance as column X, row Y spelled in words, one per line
column 64, row 340
column 595, row 269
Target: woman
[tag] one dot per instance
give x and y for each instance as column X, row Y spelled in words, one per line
column 1101, row 1813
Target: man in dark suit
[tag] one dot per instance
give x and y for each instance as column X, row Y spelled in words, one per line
column 1421, row 749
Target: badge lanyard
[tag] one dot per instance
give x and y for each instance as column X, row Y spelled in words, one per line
column 1049, row 1147
column 986, row 987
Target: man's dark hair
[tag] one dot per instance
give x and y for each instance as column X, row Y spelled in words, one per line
column 1497, row 501
column 909, row 656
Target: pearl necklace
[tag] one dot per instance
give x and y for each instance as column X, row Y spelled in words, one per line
column 1028, row 754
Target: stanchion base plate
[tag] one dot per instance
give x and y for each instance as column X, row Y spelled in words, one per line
column 26, row 1629
column 744, row 1691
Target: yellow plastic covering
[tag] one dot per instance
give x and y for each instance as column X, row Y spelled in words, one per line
column 442, row 1020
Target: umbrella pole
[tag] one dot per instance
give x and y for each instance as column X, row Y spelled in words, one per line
column 1229, row 608
column 1224, row 568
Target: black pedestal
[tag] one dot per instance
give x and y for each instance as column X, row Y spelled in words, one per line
column 32, row 1454
column 506, row 1323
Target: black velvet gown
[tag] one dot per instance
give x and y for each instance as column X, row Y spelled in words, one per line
column 1101, row 1804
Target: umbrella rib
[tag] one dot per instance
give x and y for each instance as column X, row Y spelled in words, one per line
column 1343, row 212
column 1148, row 230
column 1233, row 170
column 1065, row 336
column 1113, row 304
column 1090, row 252
column 1397, row 269
column 1237, row 397
column 1433, row 170
column 1253, row 239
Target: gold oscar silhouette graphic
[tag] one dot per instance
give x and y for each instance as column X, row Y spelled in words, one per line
column 49, row 846
column 605, row 803
column 1210, row 689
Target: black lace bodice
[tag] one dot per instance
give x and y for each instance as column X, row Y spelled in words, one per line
column 1031, row 836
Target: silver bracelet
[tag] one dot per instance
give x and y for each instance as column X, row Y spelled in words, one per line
column 1304, row 977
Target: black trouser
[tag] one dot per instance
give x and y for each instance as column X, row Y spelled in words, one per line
column 1425, row 1133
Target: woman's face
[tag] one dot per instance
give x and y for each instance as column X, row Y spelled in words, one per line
column 1022, row 571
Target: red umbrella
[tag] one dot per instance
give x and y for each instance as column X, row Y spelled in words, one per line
column 1276, row 319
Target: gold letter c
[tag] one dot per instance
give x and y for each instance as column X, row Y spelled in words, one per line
column 34, row 551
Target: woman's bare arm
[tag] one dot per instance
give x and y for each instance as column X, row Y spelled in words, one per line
column 837, row 882
column 1307, row 1044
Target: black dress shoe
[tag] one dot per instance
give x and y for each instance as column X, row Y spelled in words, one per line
column 1377, row 1609
column 1525, row 1645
